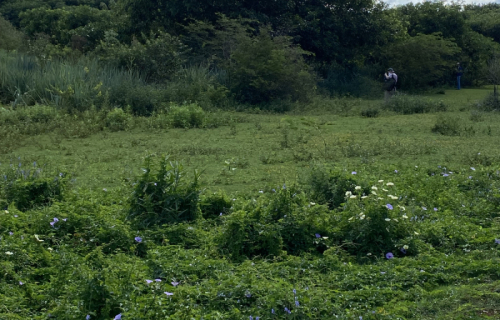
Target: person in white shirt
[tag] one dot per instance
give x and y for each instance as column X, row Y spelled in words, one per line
column 390, row 81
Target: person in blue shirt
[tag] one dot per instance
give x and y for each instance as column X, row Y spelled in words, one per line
column 460, row 72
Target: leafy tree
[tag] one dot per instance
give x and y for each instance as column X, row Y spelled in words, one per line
column 267, row 68
column 485, row 19
column 423, row 60
column 477, row 49
column 10, row 38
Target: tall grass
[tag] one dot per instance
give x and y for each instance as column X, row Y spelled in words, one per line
column 24, row 80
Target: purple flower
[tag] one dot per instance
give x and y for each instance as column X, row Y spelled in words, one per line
column 318, row 235
column 15, row 216
column 149, row 281
column 396, row 171
column 21, row 283
column 168, row 293
column 354, row 172
column 65, row 219
column 220, row 214
column 138, row 239
column 389, row 206
column 251, row 318
column 52, row 223
column 424, row 208
column 87, row 317
column 56, row 220
column 389, row 255
column 382, row 272
column 118, row 316
column 403, row 250
column 297, row 303
column 470, row 177
column 286, row 310
column 273, row 190
column 284, row 186
column 248, row 294
column 473, row 169
column 294, row 291
column 272, row 311
column 445, row 175
column 158, row 280
column 497, row 241
column 435, row 209
column 11, row 233
column 174, row 283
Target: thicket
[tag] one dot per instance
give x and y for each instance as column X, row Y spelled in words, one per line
column 426, row 227
column 234, row 55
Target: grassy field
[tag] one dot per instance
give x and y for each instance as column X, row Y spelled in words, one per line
column 280, row 249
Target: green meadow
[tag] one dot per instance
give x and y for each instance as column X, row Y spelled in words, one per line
column 339, row 209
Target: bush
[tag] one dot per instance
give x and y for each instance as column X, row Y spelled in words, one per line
column 245, row 236
column 163, row 197
column 187, row 116
column 213, row 205
column 267, row 68
column 451, row 126
column 118, row 120
column 30, row 188
column 370, row 113
column 10, row 38
column 408, row 104
column 491, row 102
column 328, row 188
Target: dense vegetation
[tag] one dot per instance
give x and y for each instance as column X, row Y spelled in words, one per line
column 227, row 53
column 221, row 160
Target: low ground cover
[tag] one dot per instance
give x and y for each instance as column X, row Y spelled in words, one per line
column 290, row 216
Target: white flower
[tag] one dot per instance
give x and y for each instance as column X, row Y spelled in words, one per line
column 368, row 254
column 50, row 249
column 362, row 216
column 389, row 184
column 358, row 188
column 405, row 247
column 387, row 219
column 380, row 181
column 363, row 197
column 37, row 238
column 374, row 188
column 392, row 197
column 405, row 216
column 416, row 233
column 353, row 197
column 385, row 190
column 373, row 192
column 350, row 218
column 401, row 207
column 8, row 253
column 6, row 211
column 325, row 238
column 396, row 220
column 312, row 203
column 348, row 194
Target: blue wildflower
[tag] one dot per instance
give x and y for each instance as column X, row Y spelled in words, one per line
column 389, row 255
column 138, row 239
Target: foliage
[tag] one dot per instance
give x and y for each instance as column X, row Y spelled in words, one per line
column 162, row 196
column 410, row 104
column 451, row 126
column 422, row 60
column 157, row 57
column 29, row 188
column 118, row 120
column 187, row 116
column 267, row 68
column 10, row 38
column 214, row 205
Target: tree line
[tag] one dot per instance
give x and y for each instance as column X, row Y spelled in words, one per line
column 264, row 50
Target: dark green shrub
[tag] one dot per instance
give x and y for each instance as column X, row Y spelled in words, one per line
column 213, row 205
column 162, row 196
column 267, row 68
column 186, row 235
column 328, row 188
column 142, row 100
column 118, row 120
column 448, row 126
column 10, row 38
column 491, row 102
column 30, row 187
column 187, row 116
column 408, row 104
column 246, row 236
column 31, row 194
column 370, row 113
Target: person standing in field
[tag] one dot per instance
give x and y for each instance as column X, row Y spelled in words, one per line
column 390, row 81
column 460, row 72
